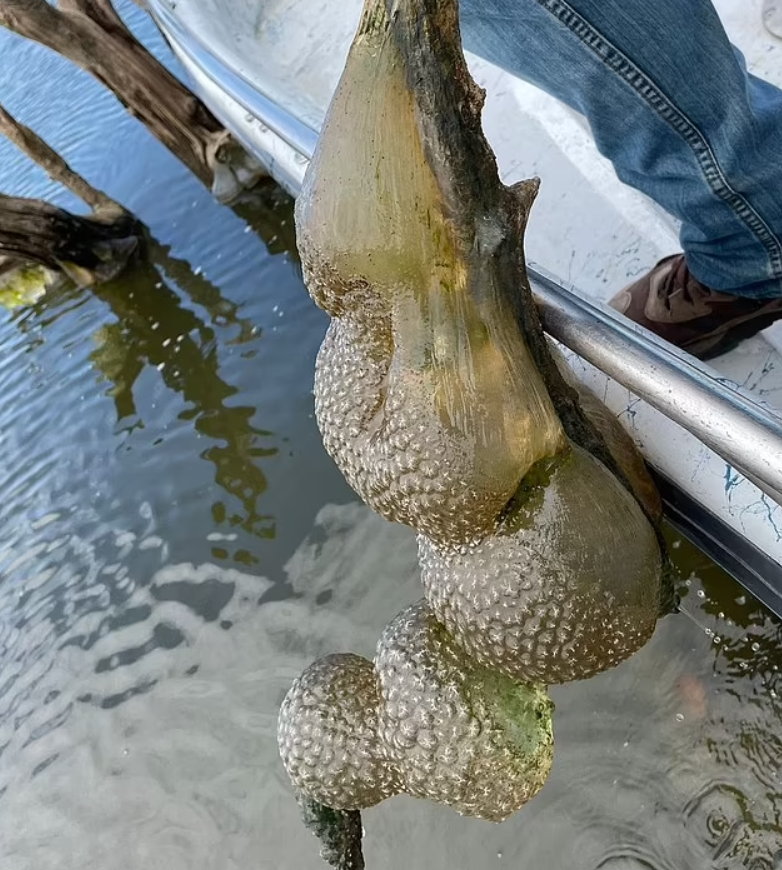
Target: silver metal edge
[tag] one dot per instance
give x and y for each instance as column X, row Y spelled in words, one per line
column 298, row 135
column 730, row 422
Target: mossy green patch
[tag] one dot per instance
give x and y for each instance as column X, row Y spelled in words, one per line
column 23, row 286
column 528, row 498
column 523, row 712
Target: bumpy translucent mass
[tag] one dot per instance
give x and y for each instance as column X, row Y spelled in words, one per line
column 460, row 734
column 425, row 720
column 538, row 566
column 328, row 734
column 425, row 391
column 568, row 586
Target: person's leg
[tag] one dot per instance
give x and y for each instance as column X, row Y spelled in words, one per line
column 670, row 103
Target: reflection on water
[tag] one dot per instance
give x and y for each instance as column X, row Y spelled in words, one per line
column 175, row 547
column 154, row 328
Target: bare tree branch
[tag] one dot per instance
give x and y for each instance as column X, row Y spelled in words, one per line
column 55, row 167
column 91, row 34
column 87, row 248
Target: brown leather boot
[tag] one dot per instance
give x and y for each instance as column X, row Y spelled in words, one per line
column 672, row 304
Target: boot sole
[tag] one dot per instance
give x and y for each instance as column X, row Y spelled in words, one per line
column 717, row 344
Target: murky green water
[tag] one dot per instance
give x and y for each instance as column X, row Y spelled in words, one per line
column 175, row 546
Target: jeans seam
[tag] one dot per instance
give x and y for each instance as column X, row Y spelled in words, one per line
column 675, row 118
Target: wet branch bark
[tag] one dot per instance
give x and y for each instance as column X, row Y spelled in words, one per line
column 55, row 167
column 340, row 833
column 87, row 248
column 92, row 35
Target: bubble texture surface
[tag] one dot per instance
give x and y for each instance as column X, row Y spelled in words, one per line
column 460, row 736
column 392, row 430
column 424, row 720
column 328, row 734
column 430, row 403
column 568, row 587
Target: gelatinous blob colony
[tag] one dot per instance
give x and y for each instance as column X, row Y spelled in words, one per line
column 425, row 719
column 538, row 565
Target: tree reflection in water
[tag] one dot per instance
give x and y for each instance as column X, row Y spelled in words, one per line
column 155, row 327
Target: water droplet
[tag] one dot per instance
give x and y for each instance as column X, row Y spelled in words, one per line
column 700, row 593
column 755, row 646
column 680, row 717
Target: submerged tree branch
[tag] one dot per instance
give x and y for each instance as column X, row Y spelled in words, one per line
column 54, row 165
column 339, row 831
column 88, row 249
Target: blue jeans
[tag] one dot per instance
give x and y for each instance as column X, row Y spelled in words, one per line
column 671, row 104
